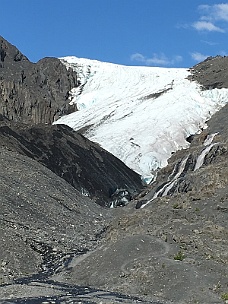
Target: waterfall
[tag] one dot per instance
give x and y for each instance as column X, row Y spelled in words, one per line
column 165, row 189
column 201, row 157
column 209, row 145
column 179, row 168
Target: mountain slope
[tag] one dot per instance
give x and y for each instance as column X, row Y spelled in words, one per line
column 139, row 114
column 39, row 211
column 83, row 164
column 38, row 93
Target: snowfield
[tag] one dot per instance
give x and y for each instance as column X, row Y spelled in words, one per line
column 139, row 114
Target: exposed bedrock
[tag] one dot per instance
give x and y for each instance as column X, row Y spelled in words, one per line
column 211, row 73
column 33, row 92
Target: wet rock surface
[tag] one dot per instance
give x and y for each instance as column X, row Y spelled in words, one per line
column 58, row 246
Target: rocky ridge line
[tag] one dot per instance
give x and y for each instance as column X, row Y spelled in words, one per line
column 33, row 92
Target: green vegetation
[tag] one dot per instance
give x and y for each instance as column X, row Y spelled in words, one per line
column 179, row 256
column 224, row 296
column 177, row 206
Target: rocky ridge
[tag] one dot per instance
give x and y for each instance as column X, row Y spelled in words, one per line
column 33, row 92
column 83, row 164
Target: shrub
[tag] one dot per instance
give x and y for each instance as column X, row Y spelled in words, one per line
column 179, row 256
column 224, row 296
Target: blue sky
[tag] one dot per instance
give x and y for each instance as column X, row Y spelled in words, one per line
column 170, row 33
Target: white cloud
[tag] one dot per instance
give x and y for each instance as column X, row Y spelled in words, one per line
column 156, row 59
column 222, row 11
column 198, row 56
column 211, row 16
column 138, row 57
column 207, row 26
column 215, row 12
column 211, row 43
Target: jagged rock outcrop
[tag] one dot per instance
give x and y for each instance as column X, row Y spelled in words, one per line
column 33, row 92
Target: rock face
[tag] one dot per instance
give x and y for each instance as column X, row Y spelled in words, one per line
column 34, row 93
column 83, row 164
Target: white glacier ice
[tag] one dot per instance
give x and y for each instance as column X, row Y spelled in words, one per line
column 139, row 114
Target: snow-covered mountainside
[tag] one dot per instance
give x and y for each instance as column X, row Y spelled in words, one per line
column 139, row 114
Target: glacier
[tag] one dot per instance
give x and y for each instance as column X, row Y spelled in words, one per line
column 139, row 114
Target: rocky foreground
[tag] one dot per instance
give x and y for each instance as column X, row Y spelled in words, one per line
column 59, row 245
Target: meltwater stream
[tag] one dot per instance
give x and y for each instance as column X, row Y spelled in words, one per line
column 168, row 186
column 201, row 157
column 179, row 168
column 42, row 290
column 209, row 145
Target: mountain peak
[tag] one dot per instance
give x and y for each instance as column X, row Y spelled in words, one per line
column 33, row 92
column 211, row 73
column 9, row 52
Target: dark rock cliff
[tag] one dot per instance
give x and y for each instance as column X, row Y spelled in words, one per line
column 33, row 92
column 83, row 164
